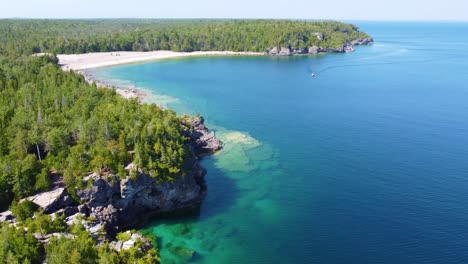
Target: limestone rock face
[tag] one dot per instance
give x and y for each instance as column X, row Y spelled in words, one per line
column 364, row 41
column 111, row 204
column 300, row 51
column 273, row 51
column 348, row 48
column 119, row 203
column 279, row 51
column 52, row 201
column 202, row 140
column 6, row 216
column 314, row 50
column 127, row 244
column 284, row 52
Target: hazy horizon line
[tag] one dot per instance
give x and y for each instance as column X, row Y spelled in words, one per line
column 228, row 18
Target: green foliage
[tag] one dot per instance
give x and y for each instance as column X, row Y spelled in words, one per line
column 18, row 246
column 124, row 236
column 24, row 210
column 80, row 249
column 59, row 122
column 82, row 36
column 44, row 224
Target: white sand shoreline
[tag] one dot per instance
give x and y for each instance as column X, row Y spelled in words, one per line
column 103, row 59
column 81, row 62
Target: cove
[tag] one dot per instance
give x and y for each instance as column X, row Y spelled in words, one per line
column 365, row 163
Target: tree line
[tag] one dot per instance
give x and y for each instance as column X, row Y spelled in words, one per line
column 83, row 36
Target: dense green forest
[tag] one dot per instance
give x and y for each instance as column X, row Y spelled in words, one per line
column 82, row 36
column 53, row 121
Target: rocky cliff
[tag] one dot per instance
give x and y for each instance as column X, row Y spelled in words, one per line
column 113, row 204
column 290, row 50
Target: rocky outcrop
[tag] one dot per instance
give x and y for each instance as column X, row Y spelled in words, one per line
column 44, row 239
column 6, row 216
column 52, row 201
column 131, row 240
column 285, row 51
column 314, row 50
column 111, row 204
column 273, row 51
column 116, row 204
column 346, row 47
column 364, row 41
column 202, row 140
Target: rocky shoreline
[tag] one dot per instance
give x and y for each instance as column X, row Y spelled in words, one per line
column 109, row 205
column 132, row 92
column 126, row 92
column 290, row 50
column 118, row 204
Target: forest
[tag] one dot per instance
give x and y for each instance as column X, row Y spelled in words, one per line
column 83, row 36
column 52, row 124
column 52, row 121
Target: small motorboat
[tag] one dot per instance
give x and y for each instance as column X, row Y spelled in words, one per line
column 313, row 74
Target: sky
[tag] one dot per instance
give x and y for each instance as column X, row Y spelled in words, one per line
column 452, row 10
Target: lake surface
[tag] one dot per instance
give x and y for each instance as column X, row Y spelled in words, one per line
column 365, row 163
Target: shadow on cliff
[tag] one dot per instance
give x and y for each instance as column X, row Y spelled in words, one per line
column 221, row 195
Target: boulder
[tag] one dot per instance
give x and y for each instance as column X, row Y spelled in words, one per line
column 44, row 239
column 300, row 51
column 6, row 216
column 128, row 244
column 348, row 48
column 183, row 253
column 116, row 245
column 273, row 51
column 314, row 50
column 279, row 51
column 75, row 219
column 284, row 51
column 134, row 238
column 52, row 201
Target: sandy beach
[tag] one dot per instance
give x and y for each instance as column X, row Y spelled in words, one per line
column 81, row 62
column 102, row 59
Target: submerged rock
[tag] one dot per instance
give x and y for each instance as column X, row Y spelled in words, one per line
column 183, row 253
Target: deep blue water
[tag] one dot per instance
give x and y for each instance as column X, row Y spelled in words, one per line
column 365, row 163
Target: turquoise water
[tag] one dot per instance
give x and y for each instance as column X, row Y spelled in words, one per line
column 365, row 163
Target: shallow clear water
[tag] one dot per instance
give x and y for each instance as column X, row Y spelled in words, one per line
column 365, row 163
